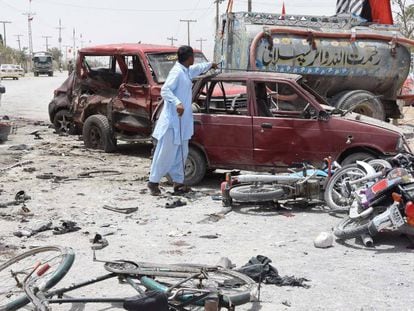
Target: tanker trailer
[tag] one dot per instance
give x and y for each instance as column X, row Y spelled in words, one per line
column 355, row 65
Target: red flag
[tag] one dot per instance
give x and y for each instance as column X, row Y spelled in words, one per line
column 283, row 11
column 381, row 11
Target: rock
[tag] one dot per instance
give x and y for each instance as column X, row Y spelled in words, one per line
column 323, row 240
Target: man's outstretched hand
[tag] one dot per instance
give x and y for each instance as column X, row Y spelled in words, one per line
column 214, row 65
column 180, row 109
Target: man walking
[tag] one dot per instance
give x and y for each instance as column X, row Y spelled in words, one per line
column 175, row 126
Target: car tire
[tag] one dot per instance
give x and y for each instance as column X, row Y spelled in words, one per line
column 36, row 74
column 357, row 156
column 195, row 167
column 362, row 102
column 63, row 122
column 98, row 133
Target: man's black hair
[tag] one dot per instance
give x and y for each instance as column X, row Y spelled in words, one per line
column 184, row 52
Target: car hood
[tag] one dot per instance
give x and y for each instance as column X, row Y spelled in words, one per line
column 368, row 120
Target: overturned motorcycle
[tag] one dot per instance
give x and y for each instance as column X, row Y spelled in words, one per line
column 306, row 183
column 384, row 204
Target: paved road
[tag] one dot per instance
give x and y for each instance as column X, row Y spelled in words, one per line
column 29, row 96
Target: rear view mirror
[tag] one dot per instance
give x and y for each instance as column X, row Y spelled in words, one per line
column 323, row 115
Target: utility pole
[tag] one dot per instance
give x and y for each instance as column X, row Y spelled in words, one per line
column 4, row 31
column 249, row 5
column 188, row 21
column 218, row 2
column 201, row 43
column 19, row 41
column 74, row 45
column 47, row 42
column 29, row 24
column 172, row 39
column 60, row 35
column 81, row 40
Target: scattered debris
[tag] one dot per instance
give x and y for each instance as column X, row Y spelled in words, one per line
column 91, row 174
column 36, row 228
column 66, row 227
column 175, row 203
column 20, row 198
column 177, row 234
column 16, row 165
column 55, row 178
column 225, row 263
column 98, row 242
column 123, row 210
column 260, row 270
column 286, row 303
column 210, row 236
column 323, row 240
column 20, row 147
column 29, row 169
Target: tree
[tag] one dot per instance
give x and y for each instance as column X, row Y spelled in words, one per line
column 56, row 54
column 405, row 17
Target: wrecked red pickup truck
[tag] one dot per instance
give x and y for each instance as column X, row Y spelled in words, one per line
column 116, row 87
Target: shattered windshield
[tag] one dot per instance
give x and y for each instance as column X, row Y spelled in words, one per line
column 162, row 63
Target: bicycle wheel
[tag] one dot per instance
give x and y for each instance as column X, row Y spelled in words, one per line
column 233, row 288
column 337, row 195
column 256, row 193
column 14, row 271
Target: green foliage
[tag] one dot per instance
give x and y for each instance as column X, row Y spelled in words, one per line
column 405, row 17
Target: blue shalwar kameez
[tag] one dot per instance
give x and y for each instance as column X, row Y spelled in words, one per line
column 171, row 131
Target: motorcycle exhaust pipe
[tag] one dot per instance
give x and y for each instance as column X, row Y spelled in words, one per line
column 367, row 240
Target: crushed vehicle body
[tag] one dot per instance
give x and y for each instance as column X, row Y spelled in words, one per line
column 351, row 64
column 5, row 128
column 120, row 81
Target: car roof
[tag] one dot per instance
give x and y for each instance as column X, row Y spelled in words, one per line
column 128, row 48
column 255, row 75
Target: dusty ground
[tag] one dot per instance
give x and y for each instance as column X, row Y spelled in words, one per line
column 344, row 277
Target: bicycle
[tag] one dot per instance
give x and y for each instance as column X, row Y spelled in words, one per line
column 30, row 276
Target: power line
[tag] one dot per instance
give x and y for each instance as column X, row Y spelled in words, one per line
column 201, row 43
column 188, row 21
column 4, row 31
column 172, row 39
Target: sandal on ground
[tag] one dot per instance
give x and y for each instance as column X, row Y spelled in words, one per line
column 98, row 242
column 174, row 204
column 66, row 227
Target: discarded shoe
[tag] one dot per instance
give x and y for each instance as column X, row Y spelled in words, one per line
column 181, row 188
column 98, row 242
column 66, row 227
column 174, row 204
column 154, row 188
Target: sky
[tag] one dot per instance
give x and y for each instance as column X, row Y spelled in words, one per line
column 103, row 21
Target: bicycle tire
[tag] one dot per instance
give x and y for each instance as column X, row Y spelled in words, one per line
column 345, row 231
column 253, row 193
column 340, row 202
column 53, row 276
column 231, row 296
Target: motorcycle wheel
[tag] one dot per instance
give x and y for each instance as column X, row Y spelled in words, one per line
column 351, row 228
column 256, row 193
column 337, row 196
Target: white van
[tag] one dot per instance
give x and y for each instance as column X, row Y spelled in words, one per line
column 9, row 71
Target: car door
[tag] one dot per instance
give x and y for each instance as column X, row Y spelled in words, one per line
column 287, row 130
column 223, row 123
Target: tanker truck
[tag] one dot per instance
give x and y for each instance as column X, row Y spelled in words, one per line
column 355, row 65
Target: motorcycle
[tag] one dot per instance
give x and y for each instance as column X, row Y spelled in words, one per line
column 387, row 203
column 307, row 183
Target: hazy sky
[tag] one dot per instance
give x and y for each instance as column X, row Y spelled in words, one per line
column 103, row 21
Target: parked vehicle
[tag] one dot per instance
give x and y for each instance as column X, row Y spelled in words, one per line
column 124, row 78
column 353, row 65
column 9, row 71
column 42, row 64
column 386, row 204
column 2, row 91
column 20, row 70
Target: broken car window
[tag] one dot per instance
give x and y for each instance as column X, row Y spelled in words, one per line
column 228, row 97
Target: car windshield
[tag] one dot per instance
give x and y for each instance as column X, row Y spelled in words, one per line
column 162, row 63
column 42, row 59
column 310, row 90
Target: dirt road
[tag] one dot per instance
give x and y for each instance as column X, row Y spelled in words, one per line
column 344, row 277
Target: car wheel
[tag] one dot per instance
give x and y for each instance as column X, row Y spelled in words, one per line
column 63, row 122
column 362, row 102
column 195, row 167
column 98, row 133
column 357, row 156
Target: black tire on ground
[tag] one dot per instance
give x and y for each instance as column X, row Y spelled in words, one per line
column 357, row 156
column 50, row 74
column 351, row 228
column 98, row 133
column 253, row 193
column 195, row 167
column 63, row 122
column 362, row 102
column 36, row 74
column 336, row 195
